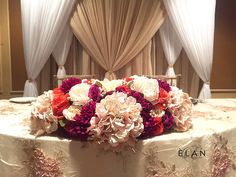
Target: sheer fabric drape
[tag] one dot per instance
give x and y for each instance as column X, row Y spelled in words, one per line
column 171, row 45
column 194, row 23
column 60, row 52
column 114, row 32
column 42, row 24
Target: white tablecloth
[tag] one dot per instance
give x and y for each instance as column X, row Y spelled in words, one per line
column 208, row 149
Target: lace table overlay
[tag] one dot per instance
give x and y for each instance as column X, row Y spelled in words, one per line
column 157, row 168
column 169, row 155
column 38, row 164
column 223, row 159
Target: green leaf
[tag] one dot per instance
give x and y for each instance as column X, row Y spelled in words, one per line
column 63, row 122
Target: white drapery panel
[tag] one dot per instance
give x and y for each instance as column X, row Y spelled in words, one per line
column 171, row 45
column 194, row 22
column 60, row 52
column 42, row 24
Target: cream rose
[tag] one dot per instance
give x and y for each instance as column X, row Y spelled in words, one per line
column 79, row 94
column 71, row 112
column 111, row 85
column 149, row 87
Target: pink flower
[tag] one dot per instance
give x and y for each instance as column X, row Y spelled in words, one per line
column 117, row 122
column 42, row 118
column 181, row 108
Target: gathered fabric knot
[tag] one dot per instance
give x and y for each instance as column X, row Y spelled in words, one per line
column 60, row 66
column 30, row 80
column 110, row 71
column 207, row 82
column 110, row 75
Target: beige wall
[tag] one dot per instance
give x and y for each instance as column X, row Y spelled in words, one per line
column 12, row 68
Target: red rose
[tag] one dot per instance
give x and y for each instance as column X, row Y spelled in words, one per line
column 57, row 91
column 158, row 126
column 59, row 103
column 128, row 79
column 162, row 100
column 124, row 89
column 163, row 96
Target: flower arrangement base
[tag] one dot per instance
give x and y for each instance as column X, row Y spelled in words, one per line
column 114, row 114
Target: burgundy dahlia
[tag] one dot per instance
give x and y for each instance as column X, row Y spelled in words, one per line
column 139, row 96
column 88, row 110
column 94, row 93
column 163, row 84
column 108, row 93
column 123, row 88
column 146, row 105
column 168, row 121
column 68, row 83
column 152, row 127
column 78, row 128
column 75, row 130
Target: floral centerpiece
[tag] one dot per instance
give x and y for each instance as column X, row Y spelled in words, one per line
column 114, row 114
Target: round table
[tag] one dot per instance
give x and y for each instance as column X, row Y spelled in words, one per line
column 208, row 149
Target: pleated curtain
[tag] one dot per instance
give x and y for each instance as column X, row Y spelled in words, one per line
column 42, row 24
column 193, row 20
column 114, row 32
column 171, row 46
column 60, row 52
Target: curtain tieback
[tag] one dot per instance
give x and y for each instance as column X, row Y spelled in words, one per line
column 30, row 80
column 110, row 72
column 110, row 75
column 170, row 66
column 60, row 66
column 207, row 82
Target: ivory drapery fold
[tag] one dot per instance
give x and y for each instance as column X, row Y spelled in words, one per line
column 42, row 24
column 114, row 32
column 171, row 46
column 60, row 52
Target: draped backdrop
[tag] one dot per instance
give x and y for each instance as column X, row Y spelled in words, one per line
column 114, row 32
column 120, row 38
